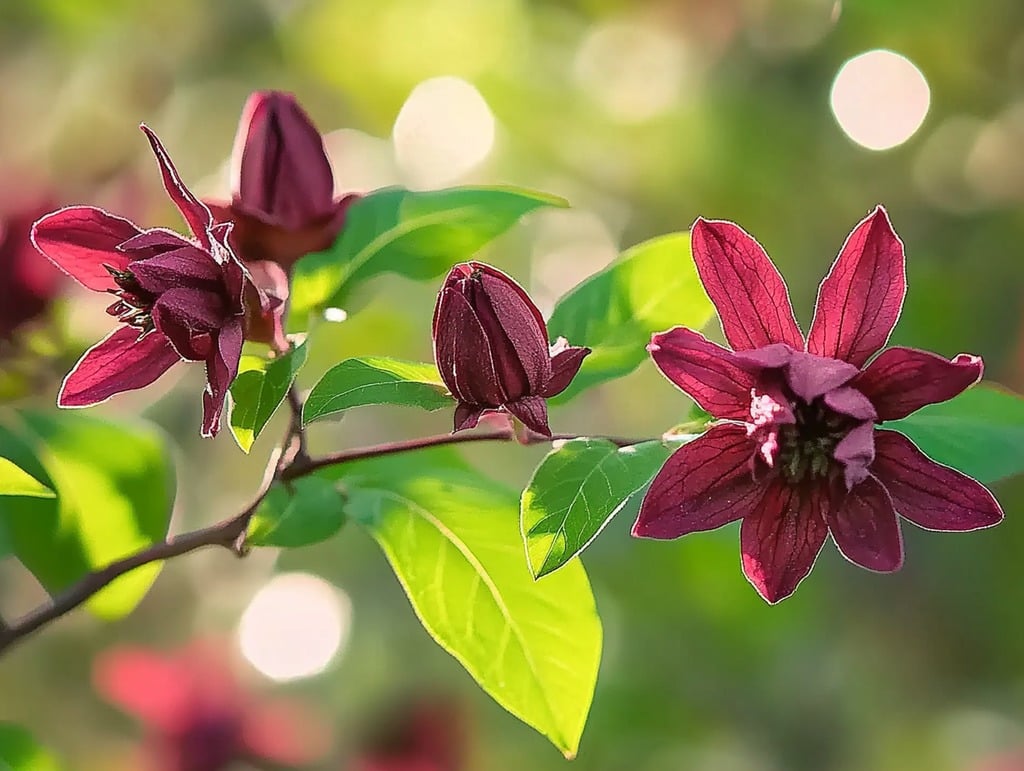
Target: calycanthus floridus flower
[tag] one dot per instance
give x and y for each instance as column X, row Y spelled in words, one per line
column 178, row 299
column 797, row 455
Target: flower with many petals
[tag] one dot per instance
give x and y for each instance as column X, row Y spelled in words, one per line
column 177, row 298
column 491, row 348
column 797, row 455
column 198, row 716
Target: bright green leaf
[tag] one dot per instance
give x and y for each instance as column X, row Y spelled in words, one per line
column 258, row 391
column 451, row 537
column 414, row 234
column 115, row 490
column 980, row 432
column 376, row 380
column 650, row 288
column 310, row 511
column 19, row 751
column 575, row 492
column 15, row 481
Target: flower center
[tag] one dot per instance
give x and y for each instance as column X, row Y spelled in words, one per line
column 134, row 305
column 806, row 446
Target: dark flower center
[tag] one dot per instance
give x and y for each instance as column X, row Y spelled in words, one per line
column 134, row 305
column 806, row 447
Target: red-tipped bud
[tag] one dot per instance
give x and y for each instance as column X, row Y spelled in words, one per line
column 491, row 348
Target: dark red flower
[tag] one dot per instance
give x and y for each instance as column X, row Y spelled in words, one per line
column 798, row 456
column 177, row 298
column 282, row 202
column 197, row 716
column 29, row 284
column 427, row 734
column 491, row 348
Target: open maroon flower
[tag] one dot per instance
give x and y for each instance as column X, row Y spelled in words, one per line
column 491, row 348
column 198, row 717
column 29, row 284
column 282, row 202
column 800, row 456
column 177, row 298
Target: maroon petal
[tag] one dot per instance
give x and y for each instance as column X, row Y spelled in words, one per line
column 710, row 375
column 812, row 376
column 564, row 366
column 746, row 288
column 532, row 411
column 705, row 484
column 221, row 369
column 864, row 526
column 185, row 267
column 781, row 540
column 467, row 416
column 120, row 362
column 80, row 240
column 902, row 380
column 462, row 353
column 196, row 215
column 929, row 494
column 156, row 240
column 861, row 298
column 265, row 303
column 850, row 401
column 856, row 452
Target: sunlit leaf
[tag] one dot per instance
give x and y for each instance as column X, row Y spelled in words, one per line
column 650, row 288
column 258, row 391
column 980, row 432
column 307, row 511
column 115, row 490
column 15, row 481
column 375, row 380
column 414, row 234
column 19, row 751
column 575, row 492
column 452, row 538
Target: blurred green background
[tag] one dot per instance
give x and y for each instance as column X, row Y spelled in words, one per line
column 644, row 115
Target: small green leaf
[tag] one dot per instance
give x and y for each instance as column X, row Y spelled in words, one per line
column 258, row 391
column 310, row 512
column 415, row 234
column 375, row 380
column 19, row 751
column 15, row 481
column 980, row 432
column 115, row 490
column 575, row 492
column 450, row 534
column 650, row 288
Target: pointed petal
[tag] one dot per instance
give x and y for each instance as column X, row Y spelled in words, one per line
column 746, row 288
column 564, row 366
column 856, row 452
column 281, row 172
column 80, row 240
column 782, row 539
column 929, row 494
column 533, row 412
column 467, row 416
column 157, row 240
column 860, row 299
column 221, row 369
column 710, row 375
column 462, row 353
column 865, row 527
column 705, row 484
column 902, row 380
column 186, row 267
column 196, row 215
column 120, row 362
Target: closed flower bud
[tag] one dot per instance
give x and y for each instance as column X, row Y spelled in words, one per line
column 29, row 284
column 491, row 348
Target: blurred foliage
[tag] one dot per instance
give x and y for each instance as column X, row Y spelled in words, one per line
column 643, row 115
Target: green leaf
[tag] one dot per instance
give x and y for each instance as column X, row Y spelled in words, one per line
column 650, row 288
column 19, row 751
column 375, row 380
column 258, row 391
column 115, row 490
column 310, row 512
column 15, row 481
column 980, row 432
column 575, row 492
column 415, row 234
column 450, row 535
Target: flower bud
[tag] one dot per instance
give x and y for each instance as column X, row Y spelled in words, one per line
column 491, row 348
column 29, row 284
